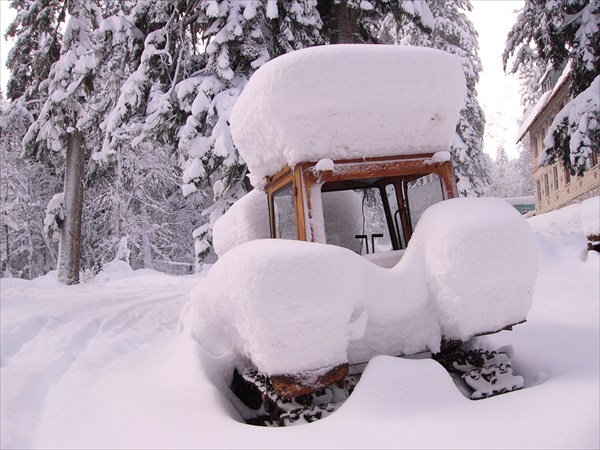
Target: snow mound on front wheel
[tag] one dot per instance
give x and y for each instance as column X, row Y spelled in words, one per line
column 481, row 264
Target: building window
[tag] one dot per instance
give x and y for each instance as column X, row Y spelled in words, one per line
column 546, row 184
column 567, row 176
column 538, row 190
column 594, row 158
column 535, row 145
column 555, row 170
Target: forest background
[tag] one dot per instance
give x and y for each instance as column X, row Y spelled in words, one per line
column 115, row 138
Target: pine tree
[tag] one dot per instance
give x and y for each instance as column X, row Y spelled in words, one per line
column 37, row 43
column 25, row 188
column 529, row 76
column 180, row 98
column 524, row 171
column 558, row 32
column 454, row 33
column 240, row 37
column 574, row 135
column 61, row 123
column 135, row 111
column 148, row 90
column 365, row 22
column 512, row 177
column 37, row 35
column 504, row 183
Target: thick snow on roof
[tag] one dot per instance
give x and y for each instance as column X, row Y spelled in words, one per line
column 533, row 114
column 347, row 101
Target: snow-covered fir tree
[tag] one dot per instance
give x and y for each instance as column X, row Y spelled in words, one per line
column 574, row 135
column 524, row 170
column 147, row 89
column 512, row 177
column 529, row 76
column 37, row 42
column 454, row 33
column 239, row 38
column 137, row 195
column 60, row 126
column 141, row 203
column 366, row 22
column 195, row 59
column 558, row 32
column 504, row 184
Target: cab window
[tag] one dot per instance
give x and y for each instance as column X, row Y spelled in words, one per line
column 284, row 213
column 421, row 193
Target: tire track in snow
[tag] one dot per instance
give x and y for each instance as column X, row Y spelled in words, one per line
column 15, row 338
column 33, row 371
column 87, row 330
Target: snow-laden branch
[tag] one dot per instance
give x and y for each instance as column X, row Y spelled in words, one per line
column 574, row 133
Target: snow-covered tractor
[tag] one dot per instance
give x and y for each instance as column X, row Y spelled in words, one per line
column 353, row 243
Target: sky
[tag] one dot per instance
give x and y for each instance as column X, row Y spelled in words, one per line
column 498, row 93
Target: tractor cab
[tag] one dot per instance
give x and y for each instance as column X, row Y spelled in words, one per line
column 370, row 206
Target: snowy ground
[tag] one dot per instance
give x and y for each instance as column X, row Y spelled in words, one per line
column 101, row 365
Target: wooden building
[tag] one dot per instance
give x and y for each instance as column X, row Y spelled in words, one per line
column 553, row 186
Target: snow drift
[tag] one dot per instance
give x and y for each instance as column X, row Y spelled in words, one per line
column 590, row 216
column 248, row 220
column 303, row 106
column 298, row 307
column 97, row 366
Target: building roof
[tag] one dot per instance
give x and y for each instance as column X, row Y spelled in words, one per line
column 541, row 104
